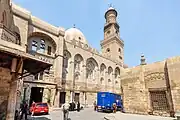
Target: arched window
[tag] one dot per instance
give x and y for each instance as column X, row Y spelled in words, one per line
column 102, row 80
column 77, row 75
column 108, row 50
column 110, row 71
column 18, row 38
column 117, row 72
column 78, row 62
column 102, row 69
column 91, row 66
column 67, row 55
column 4, row 18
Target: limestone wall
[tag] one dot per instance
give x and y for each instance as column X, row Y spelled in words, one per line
column 137, row 83
column 173, row 65
column 134, row 93
column 5, row 76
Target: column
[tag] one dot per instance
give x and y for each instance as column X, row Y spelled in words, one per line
column 12, row 100
column 85, row 83
column 57, row 99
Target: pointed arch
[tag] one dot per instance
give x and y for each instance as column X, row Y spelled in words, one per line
column 67, row 56
column 117, row 72
column 91, row 66
column 4, row 18
column 102, row 68
column 110, row 70
column 102, row 80
column 78, row 61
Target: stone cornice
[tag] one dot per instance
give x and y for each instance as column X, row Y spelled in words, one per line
column 21, row 12
column 112, row 38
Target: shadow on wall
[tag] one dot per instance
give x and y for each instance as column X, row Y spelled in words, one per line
column 3, row 107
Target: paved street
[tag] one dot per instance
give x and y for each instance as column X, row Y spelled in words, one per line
column 89, row 114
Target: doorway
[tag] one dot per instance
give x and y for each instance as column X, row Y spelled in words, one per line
column 76, row 97
column 62, row 97
column 159, row 101
column 36, row 94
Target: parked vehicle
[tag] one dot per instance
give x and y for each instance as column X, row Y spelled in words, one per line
column 105, row 101
column 40, row 108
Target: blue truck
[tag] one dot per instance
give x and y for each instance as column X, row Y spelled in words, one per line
column 105, row 101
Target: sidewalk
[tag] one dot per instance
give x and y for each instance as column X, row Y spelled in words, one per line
column 125, row 116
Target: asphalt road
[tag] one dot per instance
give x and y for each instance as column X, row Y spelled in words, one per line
column 89, row 114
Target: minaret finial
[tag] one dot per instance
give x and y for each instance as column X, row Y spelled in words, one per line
column 110, row 5
column 143, row 60
column 74, row 25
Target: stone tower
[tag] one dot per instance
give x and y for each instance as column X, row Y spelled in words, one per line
column 112, row 46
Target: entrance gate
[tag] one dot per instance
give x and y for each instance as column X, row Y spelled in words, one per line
column 159, row 101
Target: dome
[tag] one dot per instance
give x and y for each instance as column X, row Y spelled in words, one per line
column 74, row 34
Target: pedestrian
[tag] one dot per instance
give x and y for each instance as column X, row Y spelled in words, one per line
column 95, row 106
column 24, row 108
column 78, row 106
column 33, row 108
column 65, row 111
column 114, row 107
column 73, row 106
column 16, row 115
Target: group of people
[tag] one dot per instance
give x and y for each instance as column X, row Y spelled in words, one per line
column 114, row 107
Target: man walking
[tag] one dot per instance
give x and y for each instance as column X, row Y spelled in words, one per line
column 65, row 111
column 24, row 108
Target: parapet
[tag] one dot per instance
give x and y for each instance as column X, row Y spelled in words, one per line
column 25, row 14
column 92, row 50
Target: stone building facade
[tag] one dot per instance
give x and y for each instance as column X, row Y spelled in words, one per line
column 152, row 88
column 15, row 62
column 79, row 71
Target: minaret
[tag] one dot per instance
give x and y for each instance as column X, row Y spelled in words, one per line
column 112, row 46
column 143, row 60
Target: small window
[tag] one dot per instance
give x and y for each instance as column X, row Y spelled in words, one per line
column 42, row 46
column 120, row 57
column 49, row 50
column 41, row 75
column 116, row 82
column 108, row 32
column 108, row 50
column 36, row 76
column 119, row 50
column 79, row 38
column 34, row 46
column 109, row 80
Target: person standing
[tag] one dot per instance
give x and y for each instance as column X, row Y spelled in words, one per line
column 24, row 108
column 33, row 108
column 78, row 106
column 114, row 107
column 95, row 106
column 65, row 111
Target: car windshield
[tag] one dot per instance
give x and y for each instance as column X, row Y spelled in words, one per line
column 42, row 105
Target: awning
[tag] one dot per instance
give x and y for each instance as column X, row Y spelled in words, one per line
column 31, row 64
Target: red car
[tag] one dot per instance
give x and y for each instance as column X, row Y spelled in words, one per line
column 39, row 108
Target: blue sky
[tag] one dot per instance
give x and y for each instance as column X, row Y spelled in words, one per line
column 151, row 27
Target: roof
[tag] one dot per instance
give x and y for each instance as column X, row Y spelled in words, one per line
column 75, row 34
